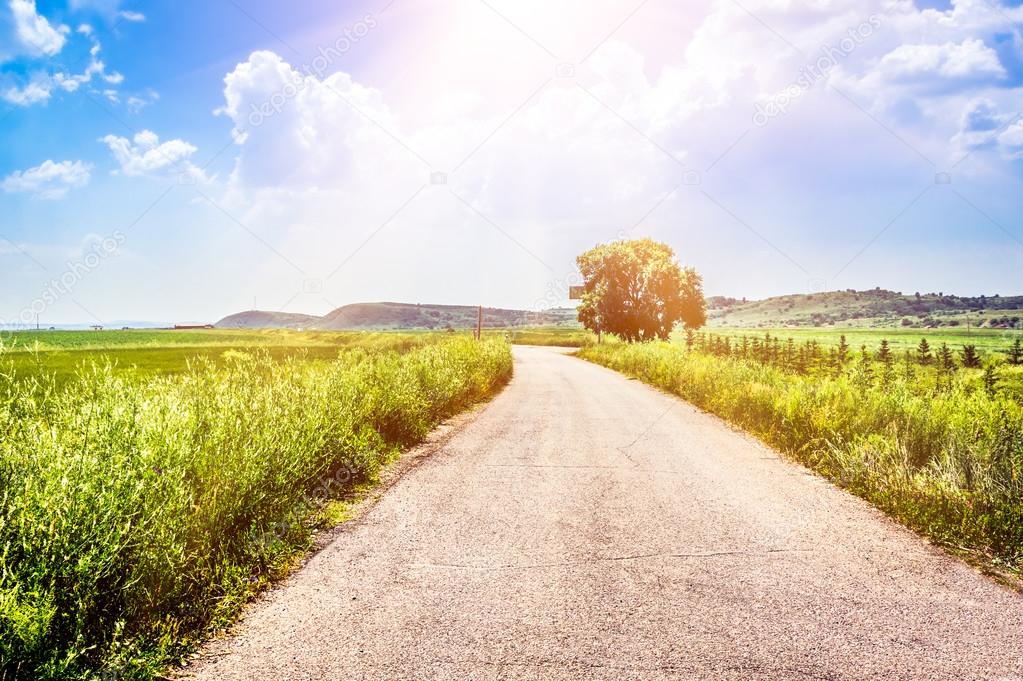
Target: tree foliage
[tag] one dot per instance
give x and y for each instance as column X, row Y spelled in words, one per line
column 971, row 359
column 1016, row 353
column 923, row 351
column 637, row 290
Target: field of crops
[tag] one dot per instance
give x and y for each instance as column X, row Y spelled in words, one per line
column 138, row 511
column 934, row 439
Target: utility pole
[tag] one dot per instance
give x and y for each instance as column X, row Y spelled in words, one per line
column 479, row 323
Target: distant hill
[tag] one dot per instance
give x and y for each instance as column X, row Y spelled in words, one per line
column 399, row 316
column 256, row 319
column 873, row 308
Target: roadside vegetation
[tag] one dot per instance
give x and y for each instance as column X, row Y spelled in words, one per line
column 929, row 428
column 138, row 512
column 931, row 434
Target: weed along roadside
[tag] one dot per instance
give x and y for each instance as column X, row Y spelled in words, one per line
column 138, row 514
column 947, row 462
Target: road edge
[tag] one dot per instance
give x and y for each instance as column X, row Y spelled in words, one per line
column 361, row 501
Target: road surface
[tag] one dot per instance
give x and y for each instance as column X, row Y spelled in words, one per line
column 585, row 526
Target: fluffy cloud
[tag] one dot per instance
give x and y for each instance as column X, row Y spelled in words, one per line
column 936, row 66
column 34, row 31
column 135, row 17
column 49, row 180
column 146, row 155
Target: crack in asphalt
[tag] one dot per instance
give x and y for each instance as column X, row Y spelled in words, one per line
column 609, row 559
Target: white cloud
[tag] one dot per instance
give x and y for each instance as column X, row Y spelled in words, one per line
column 36, row 91
column 970, row 61
column 317, row 160
column 146, row 155
column 42, row 85
column 49, row 180
column 34, row 31
column 136, row 17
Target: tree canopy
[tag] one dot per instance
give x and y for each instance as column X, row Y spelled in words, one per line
column 638, row 291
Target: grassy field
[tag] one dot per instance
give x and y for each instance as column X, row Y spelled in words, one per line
column 62, row 355
column 138, row 512
column 936, row 445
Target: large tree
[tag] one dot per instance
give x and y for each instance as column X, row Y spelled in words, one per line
column 637, row 290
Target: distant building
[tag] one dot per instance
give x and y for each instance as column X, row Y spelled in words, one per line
column 191, row 327
column 97, row 327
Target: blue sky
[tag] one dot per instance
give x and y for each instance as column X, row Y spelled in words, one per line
column 183, row 161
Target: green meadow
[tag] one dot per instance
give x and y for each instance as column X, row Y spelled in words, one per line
column 152, row 482
column 62, row 355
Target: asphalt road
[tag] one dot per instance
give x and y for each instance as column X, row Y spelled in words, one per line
column 585, row 526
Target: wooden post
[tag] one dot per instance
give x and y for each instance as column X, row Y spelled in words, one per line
column 479, row 324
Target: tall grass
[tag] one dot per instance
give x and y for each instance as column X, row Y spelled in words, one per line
column 948, row 462
column 136, row 514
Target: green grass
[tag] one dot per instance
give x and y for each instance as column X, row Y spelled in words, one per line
column 138, row 513
column 941, row 453
column 159, row 338
column 62, row 355
column 96, row 340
